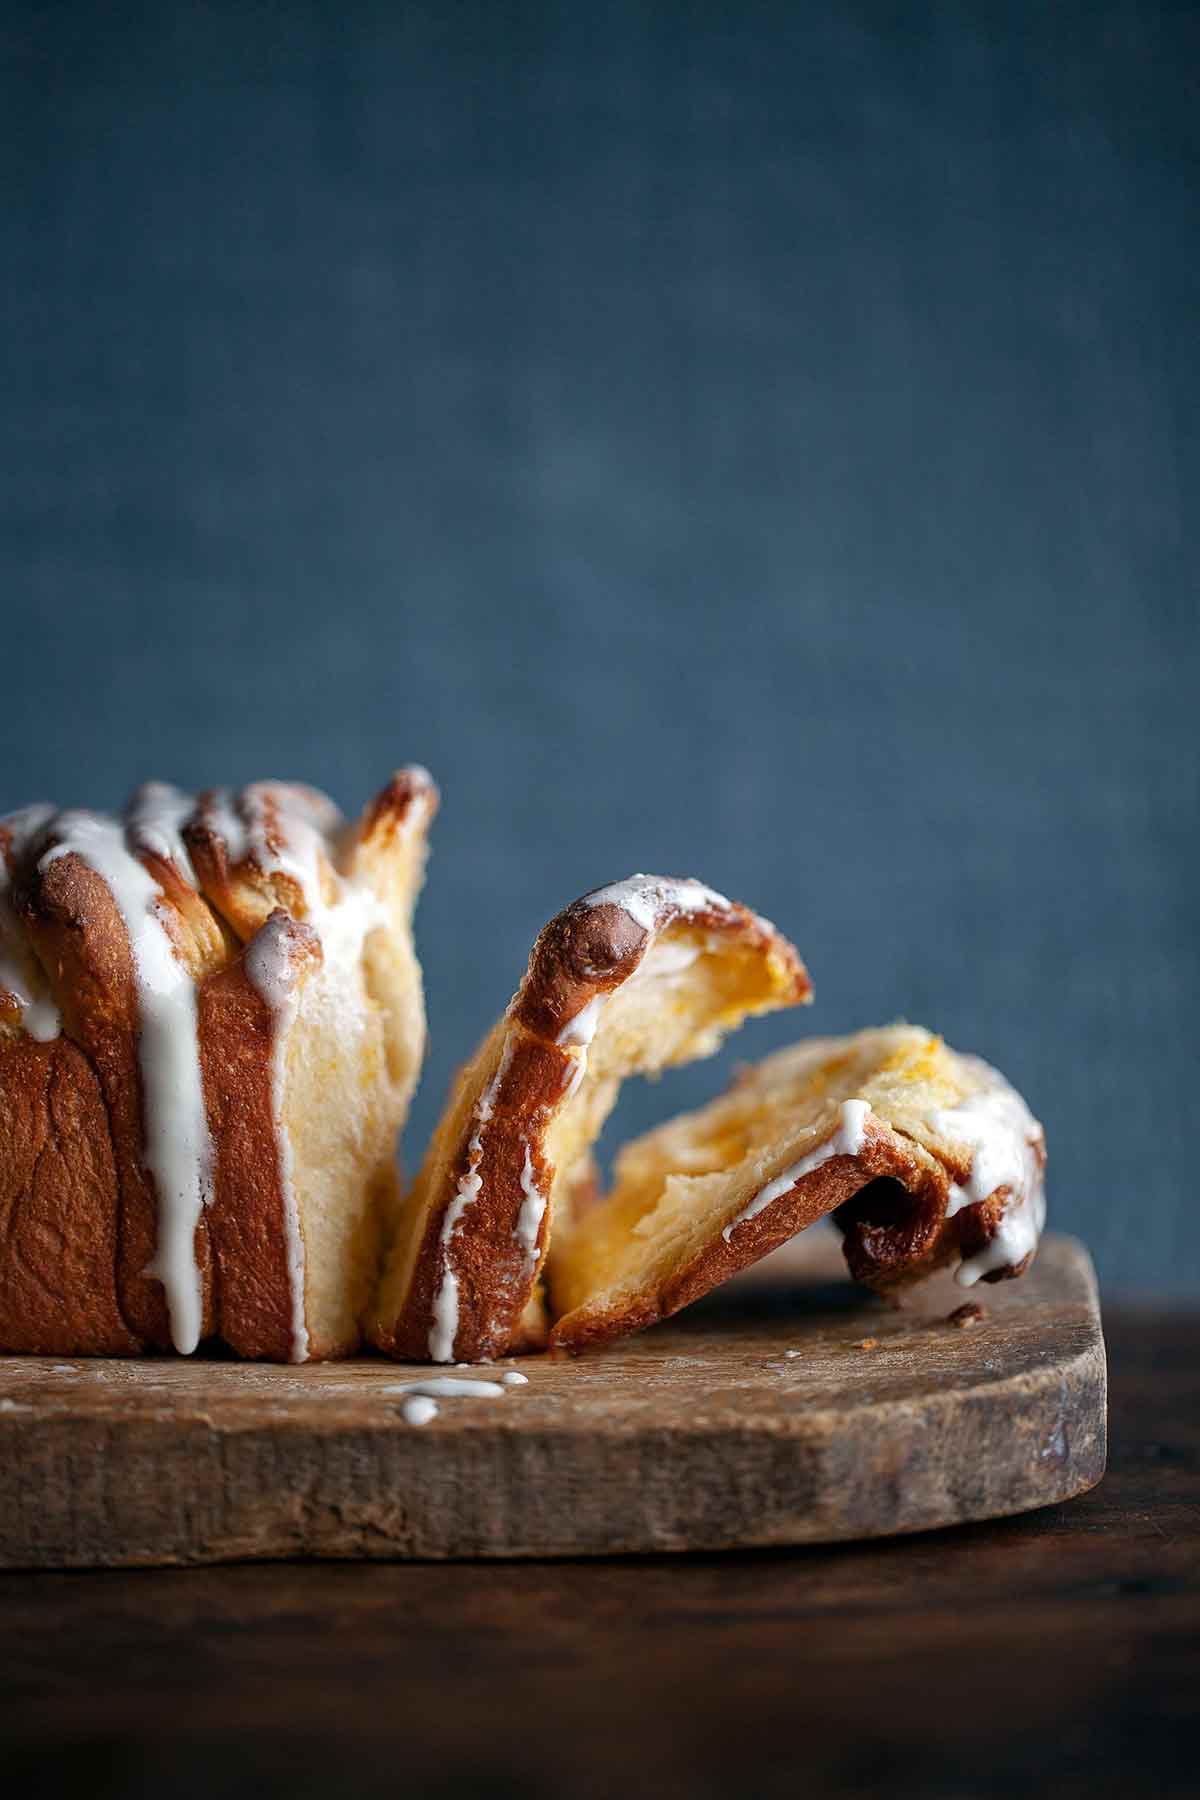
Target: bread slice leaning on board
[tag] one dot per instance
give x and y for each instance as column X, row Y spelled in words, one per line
column 628, row 980
column 211, row 1026
column 923, row 1156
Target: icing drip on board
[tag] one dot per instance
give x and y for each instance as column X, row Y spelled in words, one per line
column 175, row 1126
column 420, row 1403
column 418, row 1409
column 448, row 1387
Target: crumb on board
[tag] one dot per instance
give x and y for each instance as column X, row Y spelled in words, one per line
column 867, row 1344
column 968, row 1314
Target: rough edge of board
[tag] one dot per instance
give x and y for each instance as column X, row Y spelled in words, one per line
column 144, row 1463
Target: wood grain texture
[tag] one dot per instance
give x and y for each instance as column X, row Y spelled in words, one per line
column 1049, row 1654
column 791, row 1409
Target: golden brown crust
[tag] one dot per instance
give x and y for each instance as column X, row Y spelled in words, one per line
column 238, row 1034
column 461, row 1280
column 408, row 802
column 495, row 1274
column 889, row 1244
column 589, row 949
column 241, row 849
column 59, row 1206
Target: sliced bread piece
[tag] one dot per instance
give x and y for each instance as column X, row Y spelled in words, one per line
column 628, row 980
column 923, row 1156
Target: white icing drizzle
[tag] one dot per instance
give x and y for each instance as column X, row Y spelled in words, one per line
column 154, row 824
column 419, row 775
column 487, row 1100
column 643, row 897
column 1004, row 1139
column 575, row 1079
column 284, row 828
column 533, row 1209
column 582, row 1028
column 444, row 1327
column 447, row 1387
column 302, row 830
column 22, row 826
column 269, row 967
column 220, row 816
column 271, row 972
column 177, row 1148
column 20, row 971
column 847, row 1140
column 303, row 827
column 418, row 1409
column 39, row 1014
column 420, row 1403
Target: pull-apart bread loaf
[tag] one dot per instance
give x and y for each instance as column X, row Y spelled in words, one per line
column 629, row 980
column 924, row 1157
column 211, row 1024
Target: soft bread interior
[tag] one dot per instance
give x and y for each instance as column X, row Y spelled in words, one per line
column 677, row 1189
column 350, row 1061
column 688, row 992
column 341, row 1106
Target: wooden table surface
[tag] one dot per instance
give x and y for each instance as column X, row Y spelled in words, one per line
column 1058, row 1654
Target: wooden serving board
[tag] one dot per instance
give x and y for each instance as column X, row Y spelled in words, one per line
column 790, row 1408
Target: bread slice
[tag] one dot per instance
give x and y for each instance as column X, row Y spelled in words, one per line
column 922, row 1155
column 211, row 1024
column 628, row 980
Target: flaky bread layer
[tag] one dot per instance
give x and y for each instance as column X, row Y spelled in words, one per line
column 286, row 935
column 627, row 980
column 923, row 1156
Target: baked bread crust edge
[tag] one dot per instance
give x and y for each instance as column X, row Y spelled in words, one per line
column 585, row 952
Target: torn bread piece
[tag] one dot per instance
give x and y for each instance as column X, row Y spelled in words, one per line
column 630, row 979
column 923, row 1156
column 211, row 1024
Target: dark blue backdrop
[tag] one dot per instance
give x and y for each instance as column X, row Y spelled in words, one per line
column 757, row 441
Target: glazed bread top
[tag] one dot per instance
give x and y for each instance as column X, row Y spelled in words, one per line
column 190, row 949
column 929, row 1157
column 629, row 979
